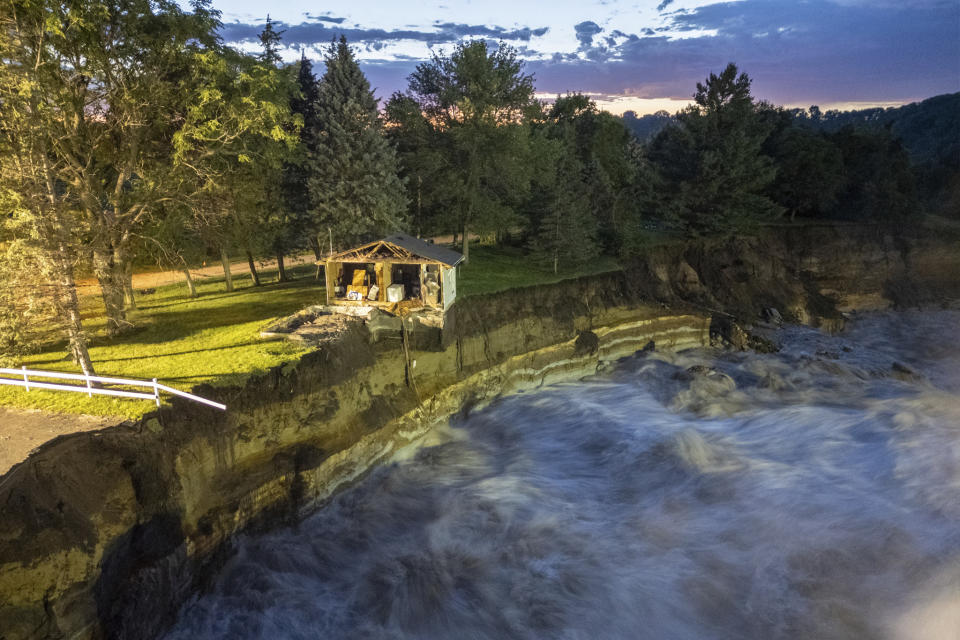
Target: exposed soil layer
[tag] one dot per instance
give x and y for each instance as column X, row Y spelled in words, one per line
column 104, row 534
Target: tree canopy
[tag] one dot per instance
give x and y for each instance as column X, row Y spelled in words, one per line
column 354, row 186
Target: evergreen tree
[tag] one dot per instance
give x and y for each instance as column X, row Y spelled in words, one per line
column 879, row 185
column 270, row 41
column 354, row 186
column 294, row 192
column 712, row 159
column 478, row 101
column 566, row 230
column 425, row 165
column 809, row 172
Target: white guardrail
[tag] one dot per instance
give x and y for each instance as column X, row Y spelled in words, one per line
column 24, row 376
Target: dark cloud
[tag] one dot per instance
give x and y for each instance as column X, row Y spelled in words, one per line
column 663, row 5
column 329, row 19
column 585, row 32
column 307, row 34
column 795, row 52
column 815, row 51
column 457, row 31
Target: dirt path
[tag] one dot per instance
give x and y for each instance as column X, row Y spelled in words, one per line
column 23, row 430
column 153, row 279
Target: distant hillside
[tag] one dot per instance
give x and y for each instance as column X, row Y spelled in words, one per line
column 930, row 133
column 929, row 130
column 646, row 127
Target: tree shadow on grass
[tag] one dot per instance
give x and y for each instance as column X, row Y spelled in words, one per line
column 180, row 324
column 213, row 296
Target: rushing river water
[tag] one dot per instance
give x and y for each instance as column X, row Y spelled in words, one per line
column 812, row 493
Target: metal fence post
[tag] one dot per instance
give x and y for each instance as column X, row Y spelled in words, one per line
column 156, row 392
column 26, row 380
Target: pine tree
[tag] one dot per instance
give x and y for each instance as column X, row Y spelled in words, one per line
column 296, row 172
column 354, row 186
column 713, row 158
column 563, row 215
column 567, row 232
column 270, row 40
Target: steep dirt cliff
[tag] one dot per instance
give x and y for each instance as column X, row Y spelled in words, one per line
column 810, row 273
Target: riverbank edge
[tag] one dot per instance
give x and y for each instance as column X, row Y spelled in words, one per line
column 106, row 533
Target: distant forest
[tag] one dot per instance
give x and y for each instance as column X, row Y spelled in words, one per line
column 929, row 131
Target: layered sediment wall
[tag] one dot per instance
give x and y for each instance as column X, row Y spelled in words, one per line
column 104, row 534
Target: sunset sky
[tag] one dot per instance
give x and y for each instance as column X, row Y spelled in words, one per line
column 647, row 55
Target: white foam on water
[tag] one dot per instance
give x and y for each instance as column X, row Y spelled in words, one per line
column 813, row 493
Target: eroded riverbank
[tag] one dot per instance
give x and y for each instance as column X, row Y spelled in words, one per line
column 106, row 534
column 810, row 493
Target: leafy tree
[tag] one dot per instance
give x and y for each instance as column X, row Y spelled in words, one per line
column 106, row 79
column 230, row 150
column 424, row 163
column 809, row 172
column 712, row 159
column 477, row 100
column 646, row 127
column 879, row 184
column 37, row 286
column 354, row 187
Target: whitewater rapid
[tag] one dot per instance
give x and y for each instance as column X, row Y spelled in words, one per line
column 811, row 493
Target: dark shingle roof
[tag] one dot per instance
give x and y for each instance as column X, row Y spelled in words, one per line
column 425, row 249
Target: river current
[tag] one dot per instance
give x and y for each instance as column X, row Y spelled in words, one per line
column 812, row 493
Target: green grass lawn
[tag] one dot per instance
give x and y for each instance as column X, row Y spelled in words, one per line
column 215, row 338
column 493, row 269
column 180, row 341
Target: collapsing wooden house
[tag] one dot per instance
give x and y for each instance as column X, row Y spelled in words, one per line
column 399, row 271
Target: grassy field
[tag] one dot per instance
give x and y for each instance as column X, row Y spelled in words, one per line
column 215, row 338
column 493, row 269
column 180, row 341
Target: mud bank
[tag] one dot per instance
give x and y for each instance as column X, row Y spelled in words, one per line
column 810, row 273
column 104, row 534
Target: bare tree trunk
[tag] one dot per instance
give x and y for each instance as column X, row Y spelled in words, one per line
column 281, row 271
column 128, row 293
column 190, row 286
column 315, row 246
column 419, row 203
column 68, row 303
column 227, row 276
column 253, row 269
column 556, row 246
column 466, row 244
column 66, row 300
column 111, row 277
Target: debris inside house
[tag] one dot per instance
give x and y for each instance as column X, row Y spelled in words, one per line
column 396, row 286
column 397, row 274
